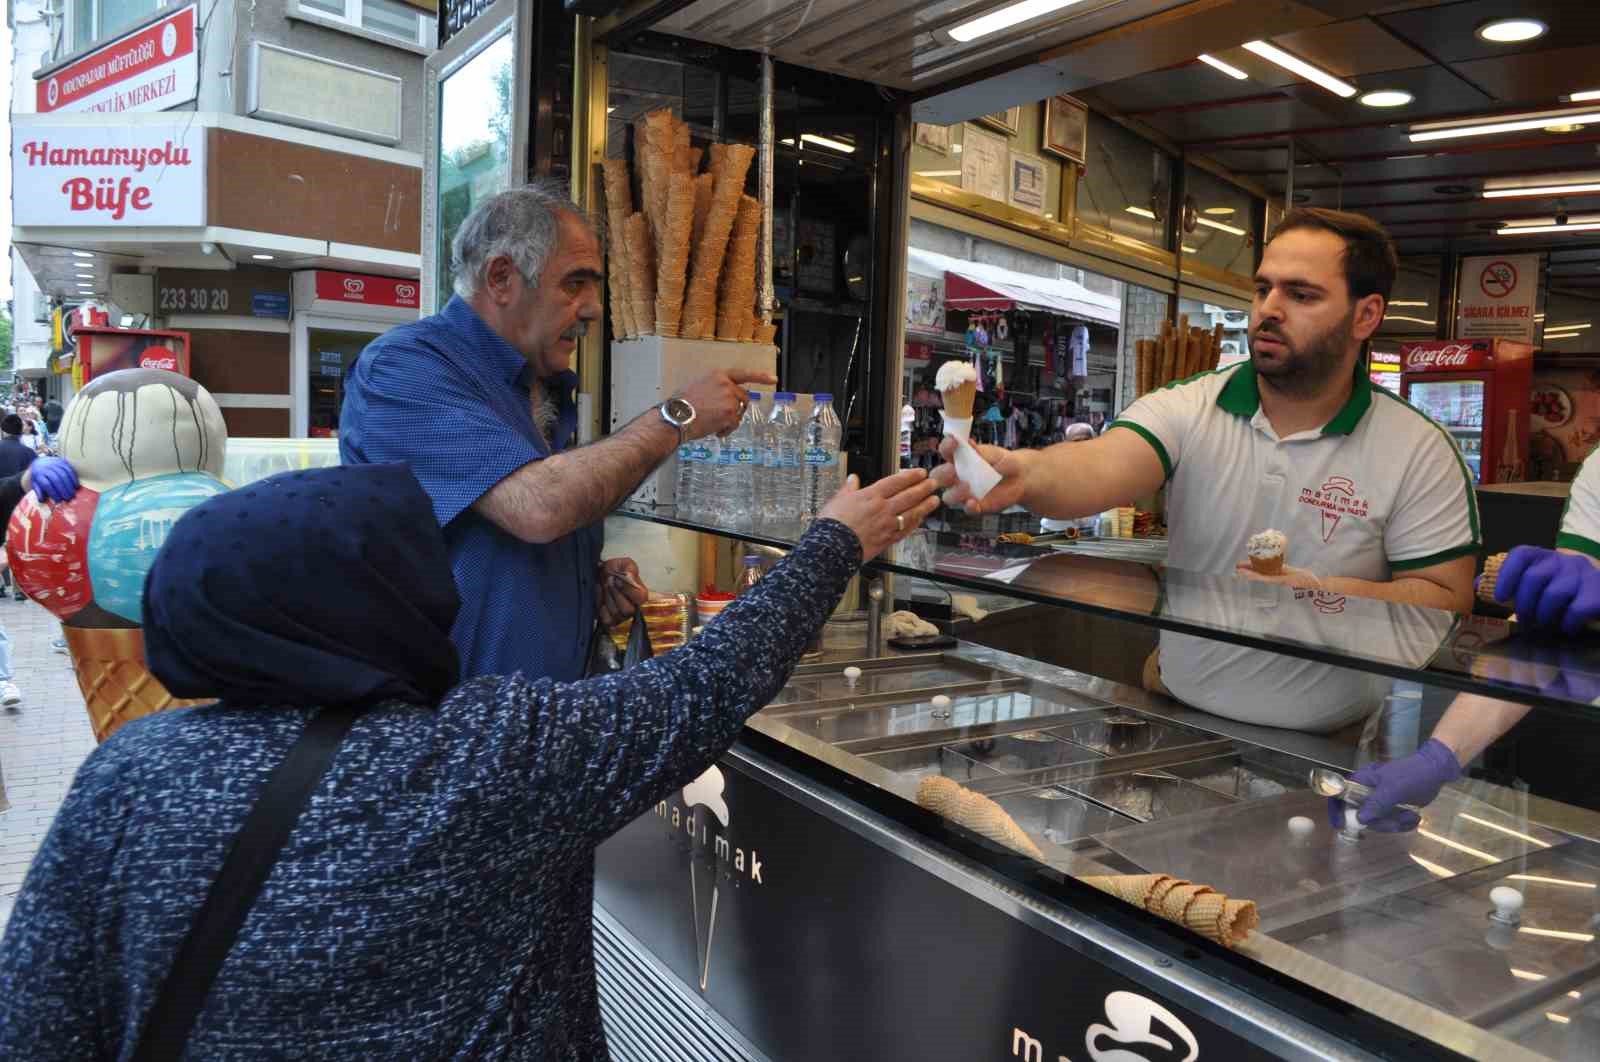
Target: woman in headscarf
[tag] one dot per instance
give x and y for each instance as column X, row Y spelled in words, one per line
column 433, row 899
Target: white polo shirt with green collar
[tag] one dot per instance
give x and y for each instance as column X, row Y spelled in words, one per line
column 1379, row 489
column 1580, row 520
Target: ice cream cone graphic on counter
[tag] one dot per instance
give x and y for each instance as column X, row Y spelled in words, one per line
column 148, row 446
column 958, row 388
column 705, row 792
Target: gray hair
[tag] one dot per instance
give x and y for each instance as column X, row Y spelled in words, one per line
column 522, row 224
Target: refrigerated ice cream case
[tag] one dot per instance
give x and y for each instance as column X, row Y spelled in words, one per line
column 1478, row 391
column 972, row 853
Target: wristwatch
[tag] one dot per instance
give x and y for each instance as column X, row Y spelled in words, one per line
column 678, row 412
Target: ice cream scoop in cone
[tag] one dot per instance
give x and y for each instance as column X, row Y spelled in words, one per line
column 117, row 687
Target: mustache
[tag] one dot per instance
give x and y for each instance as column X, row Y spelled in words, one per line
column 577, row 331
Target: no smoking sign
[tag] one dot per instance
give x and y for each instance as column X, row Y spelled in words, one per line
column 1499, row 279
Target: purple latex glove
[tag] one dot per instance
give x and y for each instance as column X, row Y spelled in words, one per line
column 54, row 479
column 1550, row 589
column 1416, row 779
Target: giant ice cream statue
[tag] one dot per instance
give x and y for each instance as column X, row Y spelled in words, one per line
column 148, row 446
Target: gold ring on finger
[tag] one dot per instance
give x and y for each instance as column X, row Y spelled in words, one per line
column 900, row 523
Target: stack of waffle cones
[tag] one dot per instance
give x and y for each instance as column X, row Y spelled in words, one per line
column 1195, row 907
column 1491, row 575
column 117, row 687
column 1177, row 354
column 976, row 812
column 683, row 264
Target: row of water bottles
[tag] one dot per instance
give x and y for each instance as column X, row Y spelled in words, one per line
column 772, row 469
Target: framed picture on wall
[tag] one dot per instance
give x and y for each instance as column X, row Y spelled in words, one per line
column 1066, row 128
column 933, row 137
column 984, row 163
column 1027, row 185
column 1007, row 121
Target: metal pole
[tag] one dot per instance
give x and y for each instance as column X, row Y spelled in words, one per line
column 768, row 145
column 1288, row 181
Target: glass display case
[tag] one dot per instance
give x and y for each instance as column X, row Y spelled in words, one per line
column 1471, row 935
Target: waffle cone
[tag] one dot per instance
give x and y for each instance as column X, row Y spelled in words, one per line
column 1491, row 575
column 711, row 248
column 1176, row 902
column 641, row 274
column 959, row 399
column 1129, row 888
column 764, row 333
column 117, row 687
column 619, row 204
column 1158, row 893
column 1239, row 918
column 673, row 264
column 976, row 812
column 704, row 185
column 695, row 155
column 1267, row 565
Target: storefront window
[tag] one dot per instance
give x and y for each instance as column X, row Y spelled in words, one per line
column 95, row 20
column 1219, row 226
column 1414, row 307
column 1127, row 184
column 1043, row 335
column 330, row 354
column 474, row 142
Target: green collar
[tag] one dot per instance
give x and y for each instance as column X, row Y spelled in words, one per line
column 1241, row 396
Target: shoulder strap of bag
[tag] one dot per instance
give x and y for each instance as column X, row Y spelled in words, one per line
column 255, row 849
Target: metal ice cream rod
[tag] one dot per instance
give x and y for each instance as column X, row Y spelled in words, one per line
column 1330, row 783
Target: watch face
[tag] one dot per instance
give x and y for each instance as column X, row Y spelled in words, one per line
column 679, row 410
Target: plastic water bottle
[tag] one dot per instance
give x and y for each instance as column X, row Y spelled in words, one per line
column 741, row 452
column 820, row 456
column 695, row 459
column 780, row 490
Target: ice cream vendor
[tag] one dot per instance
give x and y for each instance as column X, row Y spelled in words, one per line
column 1371, row 495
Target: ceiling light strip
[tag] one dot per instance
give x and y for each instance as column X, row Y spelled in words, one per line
column 1232, row 71
column 1529, row 230
column 1006, row 17
column 1510, row 124
column 1553, row 881
column 1296, row 65
column 1542, row 189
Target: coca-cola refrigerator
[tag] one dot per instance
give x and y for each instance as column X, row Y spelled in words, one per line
column 1478, row 390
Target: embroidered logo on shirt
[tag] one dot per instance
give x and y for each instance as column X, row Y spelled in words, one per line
column 1338, row 498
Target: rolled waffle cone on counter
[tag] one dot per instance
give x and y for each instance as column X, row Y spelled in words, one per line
column 672, row 267
column 1195, row 907
column 641, row 273
column 619, row 204
column 737, row 286
column 976, row 812
column 117, row 687
column 700, row 306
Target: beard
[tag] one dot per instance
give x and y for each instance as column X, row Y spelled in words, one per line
column 1307, row 369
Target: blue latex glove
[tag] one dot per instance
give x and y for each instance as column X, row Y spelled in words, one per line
column 1550, row 589
column 54, row 479
column 1416, row 779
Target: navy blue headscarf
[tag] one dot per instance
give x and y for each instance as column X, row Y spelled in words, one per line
column 324, row 587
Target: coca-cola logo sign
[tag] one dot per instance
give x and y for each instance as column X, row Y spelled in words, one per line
column 355, row 285
column 1443, row 356
column 159, row 358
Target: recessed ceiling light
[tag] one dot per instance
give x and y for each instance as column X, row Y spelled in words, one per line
column 1509, row 124
column 1220, row 212
column 1387, row 98
column 1296, row 65
column 262, row 257
column 1512, row 30
column 938, row 173
column 1231, row 71
column 1006, row 17
column 1451, row 189
column 83, row 254
column 1143, row 212
column 86, row 276
column 828, row 142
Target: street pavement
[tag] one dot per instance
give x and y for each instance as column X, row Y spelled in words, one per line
column 42, row 742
